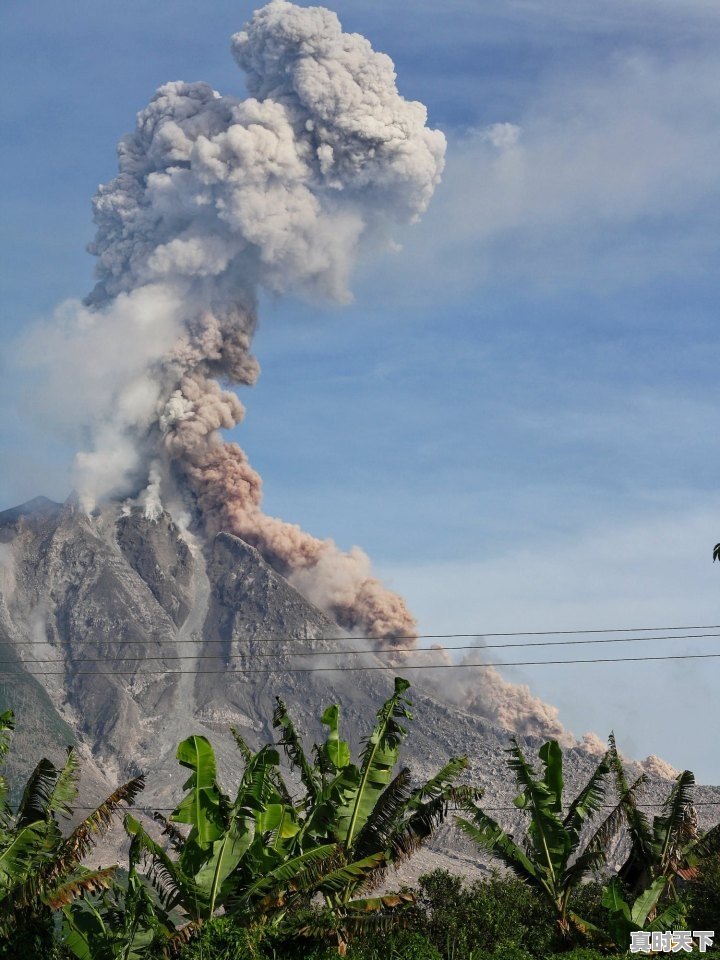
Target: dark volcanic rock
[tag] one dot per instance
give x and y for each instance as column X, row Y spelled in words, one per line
column 158, row 554
column 32, row 514
column 250, row 601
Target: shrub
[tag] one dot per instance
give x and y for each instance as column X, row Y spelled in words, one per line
column 300, row 951
column 402, row 945
column 488, row 917
column 33, row 936
column 222, row 939
column 586, row 902
column 508, row 951
column 582, row 953
column 703, row 897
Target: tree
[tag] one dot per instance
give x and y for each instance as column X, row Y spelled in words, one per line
column 554, row 859
column 670, row 846
column 40, row 868
column 370, row 812
column 264, row 854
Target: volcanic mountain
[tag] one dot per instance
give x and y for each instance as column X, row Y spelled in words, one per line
column 141, row 634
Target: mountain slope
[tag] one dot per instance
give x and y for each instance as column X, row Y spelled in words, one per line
column 155, row 635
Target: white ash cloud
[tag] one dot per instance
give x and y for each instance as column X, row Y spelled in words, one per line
column 217, row 198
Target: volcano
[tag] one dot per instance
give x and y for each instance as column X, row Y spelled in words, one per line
column 141, row 634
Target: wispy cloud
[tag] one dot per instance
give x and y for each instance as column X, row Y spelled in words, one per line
column 606, row 178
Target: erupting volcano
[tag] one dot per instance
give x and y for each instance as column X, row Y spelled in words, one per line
column 217, row 198
column 217, row 201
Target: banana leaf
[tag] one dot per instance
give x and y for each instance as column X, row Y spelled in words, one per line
column 337, row 751
column 378, row 761
column 201, row 805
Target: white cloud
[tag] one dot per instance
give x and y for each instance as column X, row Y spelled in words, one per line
column 607, row 177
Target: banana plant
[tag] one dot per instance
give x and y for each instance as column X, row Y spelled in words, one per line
column 41, row 868
column 367, row 810
column 230, row 842
column 668, row 846
column 554, row 859
column 263, row 853
column 368, row 807
column 239, row 853
column 124, row 923
column 624, row 918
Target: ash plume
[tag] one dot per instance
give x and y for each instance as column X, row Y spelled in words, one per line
column 657, row 768
column 217, row 198
column 512, row 705
column 484, row 692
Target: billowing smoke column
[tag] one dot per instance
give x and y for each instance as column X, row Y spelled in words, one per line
column 215, row 198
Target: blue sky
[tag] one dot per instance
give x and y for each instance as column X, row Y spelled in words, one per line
column 517, row 417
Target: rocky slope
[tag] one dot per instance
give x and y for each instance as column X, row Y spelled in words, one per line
column 155, row 635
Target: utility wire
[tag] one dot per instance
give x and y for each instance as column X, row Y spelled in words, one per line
column 393, row 667
column 604, row 806
column 121, row 658
column 414, row 636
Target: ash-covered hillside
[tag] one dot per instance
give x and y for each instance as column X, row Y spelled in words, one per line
column 154, row 635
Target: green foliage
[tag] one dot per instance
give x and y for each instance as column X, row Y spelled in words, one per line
column 664, row 852
column 41, row 868
column 237, row 850
column 32, row 936
column 703, row 895
column 556, row 857
column 504, row 952
column 263, row 855
column 294, row 876
column 403, row 945
column 580, row 953
column 222, row 939
column 366, row 809
column 642, row 913
column 122, row 924
column 586, row 902
column 669, row 846
column 483, row 917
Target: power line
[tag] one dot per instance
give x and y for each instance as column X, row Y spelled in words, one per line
column 378, row 652
column 414, row 636
column 393, row 668
column 604, row 806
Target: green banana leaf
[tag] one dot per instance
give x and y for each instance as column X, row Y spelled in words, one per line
column 491, row 837
column 20, row 854
column 201, row 806
column 378, row 761
column 337, row 751
column 647, row 901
